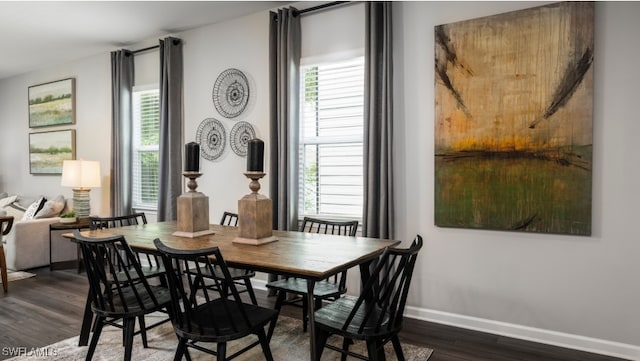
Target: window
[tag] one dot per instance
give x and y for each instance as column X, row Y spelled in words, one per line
column 146, row 135
column 331, row 139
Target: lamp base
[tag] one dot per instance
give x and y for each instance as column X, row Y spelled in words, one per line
column 81, row 204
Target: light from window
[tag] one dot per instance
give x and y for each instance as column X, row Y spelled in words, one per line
column 146, row 135
column 331, row 133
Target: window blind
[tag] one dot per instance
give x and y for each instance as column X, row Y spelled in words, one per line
column 145, row 148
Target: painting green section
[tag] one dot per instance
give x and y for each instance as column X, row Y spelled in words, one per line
column 53, row 112
column 503, row 193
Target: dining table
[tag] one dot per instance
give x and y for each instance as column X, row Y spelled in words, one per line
column 311, row 256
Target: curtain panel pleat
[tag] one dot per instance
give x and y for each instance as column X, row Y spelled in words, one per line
column 170, row 143
column 284, row 65
column 122, row 78
column 378, row 212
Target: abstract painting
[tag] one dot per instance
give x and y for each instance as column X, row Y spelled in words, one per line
column 52, row 103
column 513, row 120
column 47, row 151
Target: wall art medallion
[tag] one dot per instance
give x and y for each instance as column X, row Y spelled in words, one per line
column 231, row 93
column 241, row 134
column 513, row 120
column 47, row 151
column 212, row 138
column 52, row 103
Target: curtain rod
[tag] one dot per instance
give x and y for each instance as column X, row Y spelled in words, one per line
column 320, row 7
column 145, row 49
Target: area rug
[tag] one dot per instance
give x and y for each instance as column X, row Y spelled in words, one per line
column 18, row 275
column 289, row 343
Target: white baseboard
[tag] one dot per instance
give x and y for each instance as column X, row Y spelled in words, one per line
column 576, row 342
column 566, row 340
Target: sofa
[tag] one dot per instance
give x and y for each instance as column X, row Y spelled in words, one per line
column 27, row 245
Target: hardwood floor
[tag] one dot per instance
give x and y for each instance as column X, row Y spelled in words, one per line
column 48, row 308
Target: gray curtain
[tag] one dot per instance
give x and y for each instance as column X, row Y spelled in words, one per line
column 122, row 77
column 284, row 64
column 378, row 213
column 170, row 177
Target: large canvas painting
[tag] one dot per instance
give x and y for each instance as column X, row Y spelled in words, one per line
column 47, row 151
column 52, row 103
column 513, row 122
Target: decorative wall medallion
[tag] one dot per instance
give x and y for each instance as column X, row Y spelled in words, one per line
column 241, row 134
column 212, row 138
column 231, row 93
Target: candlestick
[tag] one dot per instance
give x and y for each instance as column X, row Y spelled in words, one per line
column 255, row 156
column 192, row 157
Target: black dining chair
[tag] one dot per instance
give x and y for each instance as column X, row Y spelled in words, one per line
column 376, row 316
column 327, row 289
column 200, row 316
column 118, row 290
column 6, row 222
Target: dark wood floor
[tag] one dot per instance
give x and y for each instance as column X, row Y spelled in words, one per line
column 48, row 308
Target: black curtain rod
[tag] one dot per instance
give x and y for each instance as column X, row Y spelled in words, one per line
column 320, row 7
column 145, row 49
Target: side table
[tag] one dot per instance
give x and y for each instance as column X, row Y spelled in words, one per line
column 81, row 223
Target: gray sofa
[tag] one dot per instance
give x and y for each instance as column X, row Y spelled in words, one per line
column 27, row 245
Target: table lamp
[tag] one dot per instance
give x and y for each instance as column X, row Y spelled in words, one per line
column 81, row 175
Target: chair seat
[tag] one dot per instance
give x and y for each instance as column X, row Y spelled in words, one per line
column 334, row 316
column 203, row 329
column 130, row 299
column 322, row 289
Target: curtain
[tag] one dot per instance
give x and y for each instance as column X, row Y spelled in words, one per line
column 284, row 64
column 122, row 78
column 378, row 212
column 170, row 143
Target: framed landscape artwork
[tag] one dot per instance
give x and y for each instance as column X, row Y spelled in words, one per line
column 47, row 151
column 52, row 103
column 513, row 120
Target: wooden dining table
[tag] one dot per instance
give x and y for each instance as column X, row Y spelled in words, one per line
column 311, row 256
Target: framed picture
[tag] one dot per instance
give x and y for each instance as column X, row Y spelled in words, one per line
column 47, row 150
column 513, row 122
column 52, row 103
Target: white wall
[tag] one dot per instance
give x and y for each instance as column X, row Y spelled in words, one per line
column 580, row 292
column 511, row 281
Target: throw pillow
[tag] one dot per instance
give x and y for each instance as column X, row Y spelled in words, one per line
column 5, row 201
column 31, row 211
column 51, row 208
column 4, row 195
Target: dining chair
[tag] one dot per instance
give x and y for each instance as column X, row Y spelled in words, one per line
column 199, row 316
column 376, row 316
column 6, row 222
column 327, row 289
column 118, row 289
column 240, row 276
column 150, row 263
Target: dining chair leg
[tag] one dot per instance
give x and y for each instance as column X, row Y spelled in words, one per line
column 320, row 341
column 3, row 268
column 182, row 346
column 264, row 342
column 397, row 347
column 129, row 326
column 87, row 318
column 94, row 339
column 278, row 306
column 346, row 342
column 222, row 351
column 143, row 331
column 375, row 350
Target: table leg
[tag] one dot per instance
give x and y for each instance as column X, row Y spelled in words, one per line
column 87, row 320
column 312, row 318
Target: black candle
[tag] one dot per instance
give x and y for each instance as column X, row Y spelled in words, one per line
column 255, row 156
column 192, row 157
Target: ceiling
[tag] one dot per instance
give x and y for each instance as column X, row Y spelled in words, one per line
column 39, row 34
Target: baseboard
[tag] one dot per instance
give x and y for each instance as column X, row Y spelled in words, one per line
column 566, row 340
column 576, row 342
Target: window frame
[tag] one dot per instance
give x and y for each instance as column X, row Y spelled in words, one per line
column 136, row 148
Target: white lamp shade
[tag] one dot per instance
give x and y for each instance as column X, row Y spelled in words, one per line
column 80, row 174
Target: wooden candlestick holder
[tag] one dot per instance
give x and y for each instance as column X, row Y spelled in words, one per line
column 255, row 215
column 193, row 210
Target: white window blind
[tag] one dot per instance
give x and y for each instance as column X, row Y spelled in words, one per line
column 146, row 134
column 331, row 133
